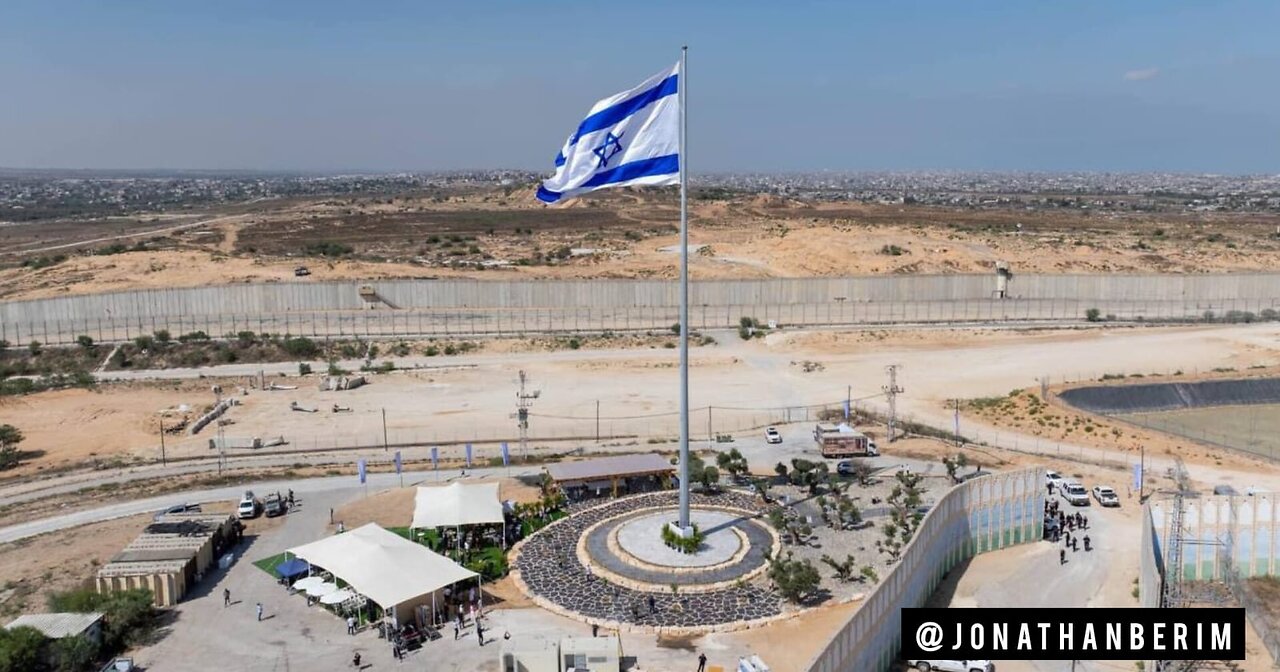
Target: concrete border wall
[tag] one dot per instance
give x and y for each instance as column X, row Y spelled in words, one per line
column 981, row 515
column 270, row 298
column 444, row 308
column 1222, row 533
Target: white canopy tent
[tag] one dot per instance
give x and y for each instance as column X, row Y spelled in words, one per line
column 384, row 567
column 456, row 505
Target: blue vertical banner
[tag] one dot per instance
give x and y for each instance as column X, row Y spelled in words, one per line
column 399, row 464
column 506, row 456
column 435, row 457
column 1137, row 477
column 846, row 410
column 468, row 455
column 360, row 469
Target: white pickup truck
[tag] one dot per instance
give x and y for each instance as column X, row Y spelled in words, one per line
column 1075, row 494
column 952, row 665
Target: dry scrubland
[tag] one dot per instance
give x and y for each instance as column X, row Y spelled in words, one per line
column 497, row 234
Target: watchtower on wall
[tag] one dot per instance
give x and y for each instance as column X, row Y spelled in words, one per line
column 1003, row 276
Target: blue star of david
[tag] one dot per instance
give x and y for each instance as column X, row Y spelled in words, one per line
column 610, row 147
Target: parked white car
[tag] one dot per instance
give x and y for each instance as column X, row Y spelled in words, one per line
column 952, row 665
column 1105, row 496
column 1075, row 494
column 771, row 435
column 1053, row 478
column 248, row 506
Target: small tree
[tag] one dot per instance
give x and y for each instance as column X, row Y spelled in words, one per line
column 844, row 569
column 955, row 464
column 10, row 437
column 796, row 580
column 163, row 337
column 861, row 472
column 74, row 654
column 781, row 470
column 1093, row 315
column 904, row 514
column 732, row 463
column 761, row 486
column 85, row 341
column 34, row 347
column 20, row 648
column 144, row 342
column 710, row 479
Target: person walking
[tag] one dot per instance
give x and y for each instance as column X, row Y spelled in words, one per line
column 226, row 597
column 651, row 604
column 456, row 630
column 480, row 634
column 351, row 625
column 259, row 611
column 595, row 629
column 702, row 662
column 1062, row 556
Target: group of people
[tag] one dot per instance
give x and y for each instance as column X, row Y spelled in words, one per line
column 1064, row 525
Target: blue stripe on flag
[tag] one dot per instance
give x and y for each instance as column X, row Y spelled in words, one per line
column 658, row 165
column 559, row 159
column 611, row 116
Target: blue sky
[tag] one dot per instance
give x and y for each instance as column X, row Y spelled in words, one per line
column 773, row 86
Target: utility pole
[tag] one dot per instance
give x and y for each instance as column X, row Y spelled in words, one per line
column 891, row 392
column 222, row 440
column 955, row 404
column 384, row 430
column 597, row 421
column 523, row 401
column 163, row 461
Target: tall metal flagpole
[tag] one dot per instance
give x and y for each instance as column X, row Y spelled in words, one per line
column 684, row 298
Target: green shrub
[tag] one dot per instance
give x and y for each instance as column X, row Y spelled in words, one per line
column 689, row 544
column 1093, row 315
column 300, row 347
column 327, row 249
column 84, row 341
column 162, row 336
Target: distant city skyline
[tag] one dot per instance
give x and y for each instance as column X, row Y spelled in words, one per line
column 798, row 87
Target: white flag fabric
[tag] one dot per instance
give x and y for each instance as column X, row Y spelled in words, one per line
column 632, row 138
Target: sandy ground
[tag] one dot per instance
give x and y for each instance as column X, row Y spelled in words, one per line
column 747, row 237
column 394, row 508
column 635, row 392
column 32, row 569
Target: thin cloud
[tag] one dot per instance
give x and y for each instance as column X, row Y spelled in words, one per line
column 1141, row 75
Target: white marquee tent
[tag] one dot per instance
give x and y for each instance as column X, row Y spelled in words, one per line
column 456, row 505
column 384, row 567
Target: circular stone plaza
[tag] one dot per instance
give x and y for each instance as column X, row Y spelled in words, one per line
column 607, row 564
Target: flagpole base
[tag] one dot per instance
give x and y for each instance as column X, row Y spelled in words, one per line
column 682, row 532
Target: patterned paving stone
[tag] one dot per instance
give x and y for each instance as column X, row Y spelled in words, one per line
column 549, row 566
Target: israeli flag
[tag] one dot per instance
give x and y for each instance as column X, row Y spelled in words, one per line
column 632, row 138
column 435, row 457
column 506, row 456
column 362, row 470
column 399, row 464
column 468, row 455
